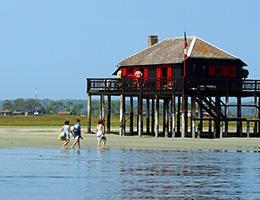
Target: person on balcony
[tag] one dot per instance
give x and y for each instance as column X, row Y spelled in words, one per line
column 138, row 76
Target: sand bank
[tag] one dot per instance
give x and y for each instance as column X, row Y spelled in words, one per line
column 46, row 137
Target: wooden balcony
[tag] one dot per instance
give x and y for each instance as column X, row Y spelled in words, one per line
column 211, row 87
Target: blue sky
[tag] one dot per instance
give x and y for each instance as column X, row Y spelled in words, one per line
column 57, row 44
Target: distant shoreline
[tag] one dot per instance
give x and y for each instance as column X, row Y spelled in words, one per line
column 46, row 137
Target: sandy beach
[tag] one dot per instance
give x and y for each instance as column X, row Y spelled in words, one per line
column 46, row 137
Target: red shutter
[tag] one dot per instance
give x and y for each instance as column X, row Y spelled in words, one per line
column 158, row 76
column 123, row 72
column 158, row 73
column 145, row 74
column 212, row 71
column 229, row 71
column 169, row 73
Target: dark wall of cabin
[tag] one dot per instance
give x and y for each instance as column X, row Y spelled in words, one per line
column 214, row 69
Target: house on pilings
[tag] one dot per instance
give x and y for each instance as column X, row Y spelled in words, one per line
column 204, row 80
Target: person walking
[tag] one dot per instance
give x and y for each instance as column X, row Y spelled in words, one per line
column 76, row 131
column 101, row 134
column 65, row 134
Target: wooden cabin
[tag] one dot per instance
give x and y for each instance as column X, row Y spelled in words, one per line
column 204, row 79
column 162, row 62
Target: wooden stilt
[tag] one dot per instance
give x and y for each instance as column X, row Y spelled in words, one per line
column 140, row 116
column 131, row 116
column 226, row 114
column 200, row 125
column 164, row 116
column 210, row 122
column 89, row 113
column 217, row 124
column 108, row 113
column 192, row 116
column 247, row 128
column 122, row 115
column 184, row 116
column 258, row 117
column 166, row 102
column 255, row 113
column 239, row 122
column 173, row 108
column 147, row 116
column 102, row 107
column 179, row 116
column 152, row 117
column 157, row 116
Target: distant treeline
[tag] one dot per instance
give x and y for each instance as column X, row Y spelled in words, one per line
column 47, row 106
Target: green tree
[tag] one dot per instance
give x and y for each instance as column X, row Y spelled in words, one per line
column 7, row 104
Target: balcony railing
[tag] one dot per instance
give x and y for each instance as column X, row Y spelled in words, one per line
column 121, row 85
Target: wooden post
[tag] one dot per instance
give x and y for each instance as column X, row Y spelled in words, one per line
column 247, row 128
column 184, row 116
column 102, row 107
column 179, row 116
column 108, row 113
column 239, row 122
column 226, row 114
column 157, row 116
column 153, row 117
column 192, row 116
column 122, row 115
column 147, row 116
column 89, row 113
column 166, row 117
column 200, row 125
column 258, row 115
column 217, row 121
column 255, row 113
column 173, row 116
column 210, row 122
column 131, row 116
column 140, row 115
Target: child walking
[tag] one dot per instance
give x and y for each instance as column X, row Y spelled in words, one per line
column 76, row 130
column 65, row 134
column 101, row 134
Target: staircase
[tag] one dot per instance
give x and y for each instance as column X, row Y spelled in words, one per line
column 210, row 106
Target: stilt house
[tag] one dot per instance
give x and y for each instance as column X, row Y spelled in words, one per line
column 201, row 79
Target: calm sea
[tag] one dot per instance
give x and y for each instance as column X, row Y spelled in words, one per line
column 28, row 173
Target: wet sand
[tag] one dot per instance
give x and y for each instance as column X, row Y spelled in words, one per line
column 46, row 137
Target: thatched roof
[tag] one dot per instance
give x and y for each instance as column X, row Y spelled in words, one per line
column 170, row 51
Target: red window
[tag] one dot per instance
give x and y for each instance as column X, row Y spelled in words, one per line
column 229, row 71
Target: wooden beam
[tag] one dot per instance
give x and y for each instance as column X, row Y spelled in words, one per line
column 108, row 113
column 179, row 116
column 157, row 102
column 89, row 113
column 173, row 110
column 147, row 116
column 239, row 122
column 192, row 116
column 152, row 117
column 140, row 116
column 131, row 116
column 122, row 115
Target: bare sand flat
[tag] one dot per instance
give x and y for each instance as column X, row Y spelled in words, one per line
column 46, row 137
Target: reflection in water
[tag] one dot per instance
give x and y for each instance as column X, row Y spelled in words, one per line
column 127, row 174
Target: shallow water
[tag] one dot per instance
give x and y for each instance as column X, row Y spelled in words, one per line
column 27, row 173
